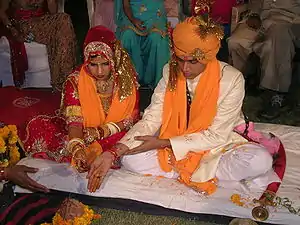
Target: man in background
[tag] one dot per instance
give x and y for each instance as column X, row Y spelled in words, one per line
column 270, row 31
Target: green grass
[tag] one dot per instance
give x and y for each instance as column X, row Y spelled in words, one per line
column 117, row 217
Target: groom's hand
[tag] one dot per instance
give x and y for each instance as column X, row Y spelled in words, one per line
column 149, row 143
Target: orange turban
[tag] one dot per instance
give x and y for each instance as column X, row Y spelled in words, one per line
column 194, row 37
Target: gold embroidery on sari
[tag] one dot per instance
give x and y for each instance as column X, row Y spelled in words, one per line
column 106, row 103
column 125, row 72
column 73, row 110
column 74, row 119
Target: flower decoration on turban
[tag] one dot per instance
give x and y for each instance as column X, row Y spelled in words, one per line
column 197, row 36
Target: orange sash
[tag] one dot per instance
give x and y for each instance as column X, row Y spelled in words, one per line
column 91, row 107
column 92, row 110
column 174, row 122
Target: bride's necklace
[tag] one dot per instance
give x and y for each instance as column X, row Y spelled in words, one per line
column 102, row 86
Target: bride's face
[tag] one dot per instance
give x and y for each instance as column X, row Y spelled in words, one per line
column 99, row 68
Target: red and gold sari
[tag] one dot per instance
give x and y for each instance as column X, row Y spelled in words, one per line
column 83, row 107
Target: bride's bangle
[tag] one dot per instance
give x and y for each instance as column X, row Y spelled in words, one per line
column 105, row 131
column 73, row 142
column 91, row 134
column 116, row 126
column 113, row 130
column 73, row 159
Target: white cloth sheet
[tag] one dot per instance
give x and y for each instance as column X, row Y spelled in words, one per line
column 171, row 194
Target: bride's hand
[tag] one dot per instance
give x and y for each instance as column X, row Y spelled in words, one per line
column 79, row 160
column 98, row 170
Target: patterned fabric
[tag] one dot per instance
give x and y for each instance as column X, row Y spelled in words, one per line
column 56, row 32
column 31, row 209
column 53, row 30
column 148, row 49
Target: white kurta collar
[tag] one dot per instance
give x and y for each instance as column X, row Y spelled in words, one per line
column 192, row 85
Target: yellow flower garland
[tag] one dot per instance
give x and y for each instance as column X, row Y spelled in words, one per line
column 86, row 219
column 8, row 145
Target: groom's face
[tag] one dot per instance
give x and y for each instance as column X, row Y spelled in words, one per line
column 190, row 67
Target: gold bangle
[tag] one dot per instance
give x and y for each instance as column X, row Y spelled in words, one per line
column 77, row 148
column 98, row 136
column 91, row 134
column 73, row 155
column 73, row 146
column 116, row 126
column 112, row 128
column 106, row 131
column 100, row 132
column 73, row 142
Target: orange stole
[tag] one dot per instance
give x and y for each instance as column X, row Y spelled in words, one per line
column 92, row 109
column 174, row 123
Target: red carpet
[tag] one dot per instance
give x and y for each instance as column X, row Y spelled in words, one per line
column 19, row 106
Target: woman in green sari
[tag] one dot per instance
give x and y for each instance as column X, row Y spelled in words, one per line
column 142, row 29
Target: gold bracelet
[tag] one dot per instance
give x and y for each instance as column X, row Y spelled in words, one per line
column 98, row 136
column 76, row 140
column 112, row 128
column 106, row 131
column 73, row 155
column 76, row 149
column 73, row 142
column 100, row 132
column 91, row 134
column 116, row 126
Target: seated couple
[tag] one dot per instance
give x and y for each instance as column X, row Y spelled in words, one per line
column 194, row 129
column 196, row 110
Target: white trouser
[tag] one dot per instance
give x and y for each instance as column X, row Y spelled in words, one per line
column 245, row 162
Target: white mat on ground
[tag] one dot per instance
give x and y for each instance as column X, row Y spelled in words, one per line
column 170, row 194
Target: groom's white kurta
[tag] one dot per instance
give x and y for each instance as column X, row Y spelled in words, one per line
column 218, row 136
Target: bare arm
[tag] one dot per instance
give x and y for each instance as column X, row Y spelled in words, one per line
column 127, row 9
column 4, row 5
column 52, row 6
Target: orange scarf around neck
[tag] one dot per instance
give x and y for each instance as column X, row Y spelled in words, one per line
column 91, row 107
column 174, row 122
